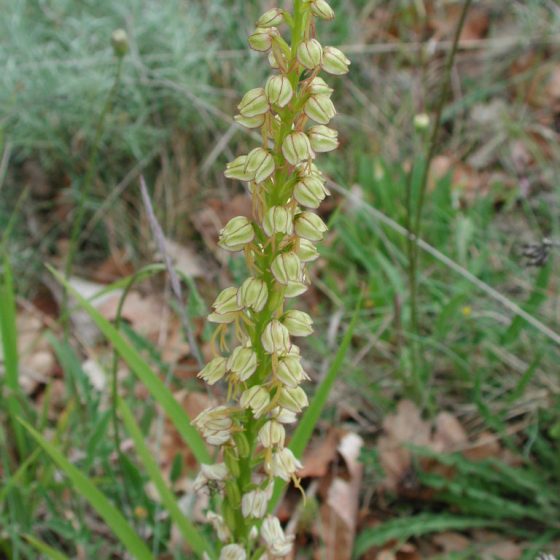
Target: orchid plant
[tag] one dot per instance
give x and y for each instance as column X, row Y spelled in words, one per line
column 263, row 371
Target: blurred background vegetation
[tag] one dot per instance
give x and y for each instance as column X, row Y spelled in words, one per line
column 492, row 189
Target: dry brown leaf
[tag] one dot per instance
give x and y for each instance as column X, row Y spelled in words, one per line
column 450, row 541
column 502, row 550
column 552, row 89
column 476, row 24
column 319, row 456
column 185, row 259
column 486, row 446
column 405, row 426
column 449, row 434
column 116, row 265
column 340, row 509
column 37, row 360
column 144, row 313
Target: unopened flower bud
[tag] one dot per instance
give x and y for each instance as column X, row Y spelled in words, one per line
column 256, row 398
column 236, row 169
column 271, row 18
column 307, row 252
column 319, row 108
column 233, row 552
column 272, row 434
column 217, row 472
column 297, row 148
column 219, row 525
column 323, row 138
column 298, row 323
column 226, row 301
column 119, row 40
column 290, row 371
column 250, row 122
column 284, row 465
column 310, row 54
column 310, row 226
column 318, row 86
column 214, row 418
column 283, row 415
column 236, row 234
column 278, row 90
column 255, row 503
column 278, row 219
column 223, row 318
column 242, row 362
column 295, row 288
column 254, row 103
column 335, row 61
column 321, row 9
column 259, row 165
column 261, row 39
column 276, row 338
column 277, row 543
column 253, row 293
column 310, row 191
column 213, row 371
column 421, row 122
column 286, row 267
column 272, row 60
column 293, row 398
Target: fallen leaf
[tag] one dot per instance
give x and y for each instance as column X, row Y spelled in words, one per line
column 449, row 434
column 339, row 511
column 143, row 313
column 449, row 541
column 485, row 446
column 503, row 550
column 184, row 259
column 319, row 456
column 405, row 426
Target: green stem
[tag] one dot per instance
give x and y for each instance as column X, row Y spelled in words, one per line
column 414, row 225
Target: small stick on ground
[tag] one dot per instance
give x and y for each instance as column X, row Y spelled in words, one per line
column 159, row 238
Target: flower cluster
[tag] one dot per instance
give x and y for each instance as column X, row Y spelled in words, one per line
column 264, row 371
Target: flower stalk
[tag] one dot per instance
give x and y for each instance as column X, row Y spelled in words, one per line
column 263, row 372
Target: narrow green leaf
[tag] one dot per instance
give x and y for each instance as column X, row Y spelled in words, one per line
column 47, row 550
column 404, row 528
column 19, row 474
column 309, row 420
column 152, row 382
column 8, row 332
column 189, row 532
column 112, row 517
column 122, row 283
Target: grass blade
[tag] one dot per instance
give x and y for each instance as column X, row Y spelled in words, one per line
column 112, row 517
column 188, row 531
column 47, row 550
column 153, row 383
column 309, row 420
column 17, row 477
column 8, row 333
column 402, row 529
